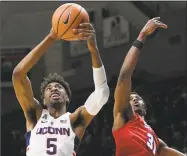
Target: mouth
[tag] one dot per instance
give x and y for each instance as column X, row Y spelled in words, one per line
column 136, row 104
column 55, row 95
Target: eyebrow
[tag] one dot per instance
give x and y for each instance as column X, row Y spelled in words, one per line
column 56, row 84
column 136, row 96
column 49, row 85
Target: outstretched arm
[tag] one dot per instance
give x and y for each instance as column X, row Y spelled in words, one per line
column 123, row 87
column 101, row 94
column 22, row 84
column 164, row 150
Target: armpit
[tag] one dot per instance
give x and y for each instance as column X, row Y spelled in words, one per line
column 31, row 115
column 79, row 120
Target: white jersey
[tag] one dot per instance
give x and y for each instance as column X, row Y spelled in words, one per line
column 51, row 137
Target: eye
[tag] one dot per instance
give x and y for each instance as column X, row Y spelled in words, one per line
column 59, row 86
column 48, row 88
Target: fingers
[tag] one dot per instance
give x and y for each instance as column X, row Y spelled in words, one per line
column 86, row 36
column 156, row 18
column 162, row 25
column 84, row 32
column 86, row 26
column 78, row 31
column 159, row 23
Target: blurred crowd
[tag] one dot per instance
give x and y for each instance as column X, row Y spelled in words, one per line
column 167, row 106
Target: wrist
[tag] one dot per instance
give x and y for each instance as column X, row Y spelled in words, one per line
column 142, row 37
column 49, row 37
column 52, row 36
column 138, row 44
column 93, row 48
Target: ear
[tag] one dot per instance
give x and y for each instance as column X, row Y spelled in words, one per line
column 67, row 101
column 144, row 112
column 44, row 102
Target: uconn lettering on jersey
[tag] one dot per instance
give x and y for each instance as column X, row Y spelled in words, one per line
column 52, row 130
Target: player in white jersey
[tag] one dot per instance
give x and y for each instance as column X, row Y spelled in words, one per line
column 50, row 129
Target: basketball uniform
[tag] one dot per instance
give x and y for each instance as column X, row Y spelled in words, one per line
column 136, row 138
column 51, row 137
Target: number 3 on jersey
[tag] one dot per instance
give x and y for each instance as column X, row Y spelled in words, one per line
column 151, row 143
column 51, row 146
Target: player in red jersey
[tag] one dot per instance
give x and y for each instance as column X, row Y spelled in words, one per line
column 133, row 137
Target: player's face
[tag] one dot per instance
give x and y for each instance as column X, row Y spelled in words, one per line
column 137, row 103
column 55, row 95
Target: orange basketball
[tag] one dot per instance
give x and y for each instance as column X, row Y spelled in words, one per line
column 66, row 18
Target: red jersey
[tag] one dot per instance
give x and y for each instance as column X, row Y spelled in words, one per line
column 136, row 138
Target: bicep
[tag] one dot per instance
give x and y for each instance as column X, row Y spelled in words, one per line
column 80, row 121
column 87, row 118
column 24, row 93
column 81, row 117
column 164, row 150
column 122, row 97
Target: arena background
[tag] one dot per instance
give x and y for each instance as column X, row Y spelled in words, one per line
column 160, row 76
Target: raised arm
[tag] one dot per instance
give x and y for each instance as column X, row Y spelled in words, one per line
column 123, row 87
column 22, row 84
column 101, row 93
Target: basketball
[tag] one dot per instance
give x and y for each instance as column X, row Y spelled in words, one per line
column 66, row 18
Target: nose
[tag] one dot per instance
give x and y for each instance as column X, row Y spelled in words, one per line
column 135, row 100
column 53, row 89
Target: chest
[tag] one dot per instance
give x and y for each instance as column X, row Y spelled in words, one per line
column 52, row 136
column 48, row 124
column 141, row 138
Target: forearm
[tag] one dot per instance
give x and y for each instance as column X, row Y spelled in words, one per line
column 96, row 59
column 32, row 58
column 131, row 59
column 101, row 93
column 164, row 150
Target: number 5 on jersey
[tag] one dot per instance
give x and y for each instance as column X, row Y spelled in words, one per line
column 151, row 143
column 51, row 146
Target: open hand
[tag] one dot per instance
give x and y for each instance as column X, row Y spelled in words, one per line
column 151, row 26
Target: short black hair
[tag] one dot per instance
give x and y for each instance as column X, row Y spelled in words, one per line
column 54, row 77
column 145, row 105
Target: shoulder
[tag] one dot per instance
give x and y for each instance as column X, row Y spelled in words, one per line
column 162, row 144
column 125, row 118
column 34, row 114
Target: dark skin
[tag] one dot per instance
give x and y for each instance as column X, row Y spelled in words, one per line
column 55, row 96
column 128, row 103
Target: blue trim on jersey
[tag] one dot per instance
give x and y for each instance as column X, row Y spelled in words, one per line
column 28, row 135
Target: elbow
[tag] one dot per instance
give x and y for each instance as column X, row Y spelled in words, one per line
column 106, row 94
column 17, row 73
column 96, row 100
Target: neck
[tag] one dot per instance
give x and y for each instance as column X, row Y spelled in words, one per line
column 56, row 113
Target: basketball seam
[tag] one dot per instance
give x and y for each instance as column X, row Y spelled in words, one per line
column 61, row 16
column 72, row 22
